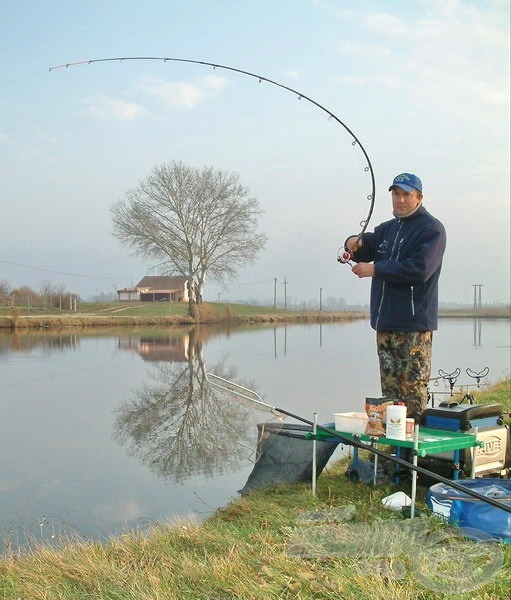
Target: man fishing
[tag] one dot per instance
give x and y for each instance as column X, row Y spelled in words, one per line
column 403, row 256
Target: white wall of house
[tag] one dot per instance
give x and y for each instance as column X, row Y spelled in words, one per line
column 135, row 294
column 127, row 295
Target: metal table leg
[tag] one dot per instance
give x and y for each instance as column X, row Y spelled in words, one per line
column 314, row 460
column 414, row 472
column 474, row 455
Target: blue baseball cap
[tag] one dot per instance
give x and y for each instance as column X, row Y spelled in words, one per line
column 407, row 182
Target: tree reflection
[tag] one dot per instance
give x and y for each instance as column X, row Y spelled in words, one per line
column 48, row 341
column 179, row 426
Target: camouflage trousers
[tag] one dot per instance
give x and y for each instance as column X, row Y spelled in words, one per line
column 405, row 367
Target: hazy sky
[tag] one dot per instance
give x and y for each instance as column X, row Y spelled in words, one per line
column 423, row 84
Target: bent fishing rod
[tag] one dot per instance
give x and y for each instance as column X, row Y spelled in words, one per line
column 233, row 388
column 341, row 257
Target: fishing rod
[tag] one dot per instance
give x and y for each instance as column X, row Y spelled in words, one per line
column 228, row 386
column 355, row 141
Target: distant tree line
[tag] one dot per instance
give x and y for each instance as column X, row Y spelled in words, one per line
column 49, row 295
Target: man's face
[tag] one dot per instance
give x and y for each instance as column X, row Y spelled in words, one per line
column 405, row 202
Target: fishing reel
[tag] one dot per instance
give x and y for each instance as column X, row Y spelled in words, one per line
column 345, row 258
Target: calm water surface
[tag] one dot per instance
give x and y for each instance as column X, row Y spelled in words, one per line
column 103, row 432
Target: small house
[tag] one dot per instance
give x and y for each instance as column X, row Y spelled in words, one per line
column 157, row 288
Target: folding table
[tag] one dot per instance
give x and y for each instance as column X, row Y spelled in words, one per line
column 426, row 441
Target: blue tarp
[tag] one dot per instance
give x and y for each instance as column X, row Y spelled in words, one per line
column 465, row 511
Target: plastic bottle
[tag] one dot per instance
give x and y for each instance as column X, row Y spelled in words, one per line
column 396, row 421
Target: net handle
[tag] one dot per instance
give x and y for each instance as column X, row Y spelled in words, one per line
column 229, row 387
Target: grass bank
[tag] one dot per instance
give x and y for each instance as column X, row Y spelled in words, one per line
column 273, row 544
column 116, row 314
column 160, row 313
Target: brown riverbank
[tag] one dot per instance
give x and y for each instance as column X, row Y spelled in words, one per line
column 125, row 315
column 132, row 317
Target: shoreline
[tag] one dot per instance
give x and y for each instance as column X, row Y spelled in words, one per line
column 245, row 549
column 86, row 320
column 207, row 314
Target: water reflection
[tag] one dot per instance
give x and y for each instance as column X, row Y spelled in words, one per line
column 477, row 327
column 176, row 346
column 106, row 429
column 18, row 341
column 177, row 425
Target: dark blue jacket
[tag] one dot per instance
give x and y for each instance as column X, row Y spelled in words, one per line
column 407, row 255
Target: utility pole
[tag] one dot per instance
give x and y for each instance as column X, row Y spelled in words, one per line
column 320, row 299
column 275, row 294
column 285, row 292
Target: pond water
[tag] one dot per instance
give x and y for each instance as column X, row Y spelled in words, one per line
column 104, row 431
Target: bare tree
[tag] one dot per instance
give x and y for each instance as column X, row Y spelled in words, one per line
column 5, row 290
column 52, row 293
column 197, row 222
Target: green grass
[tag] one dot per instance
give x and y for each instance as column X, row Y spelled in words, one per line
column 160, row 309
column 114, row 314
column 256, row 549
column 117, row 314
column 499, row 393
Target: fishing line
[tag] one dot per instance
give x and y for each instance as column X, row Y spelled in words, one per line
column 260, row 78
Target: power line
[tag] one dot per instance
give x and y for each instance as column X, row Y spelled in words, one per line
column 228, row 285
column 63, row 272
